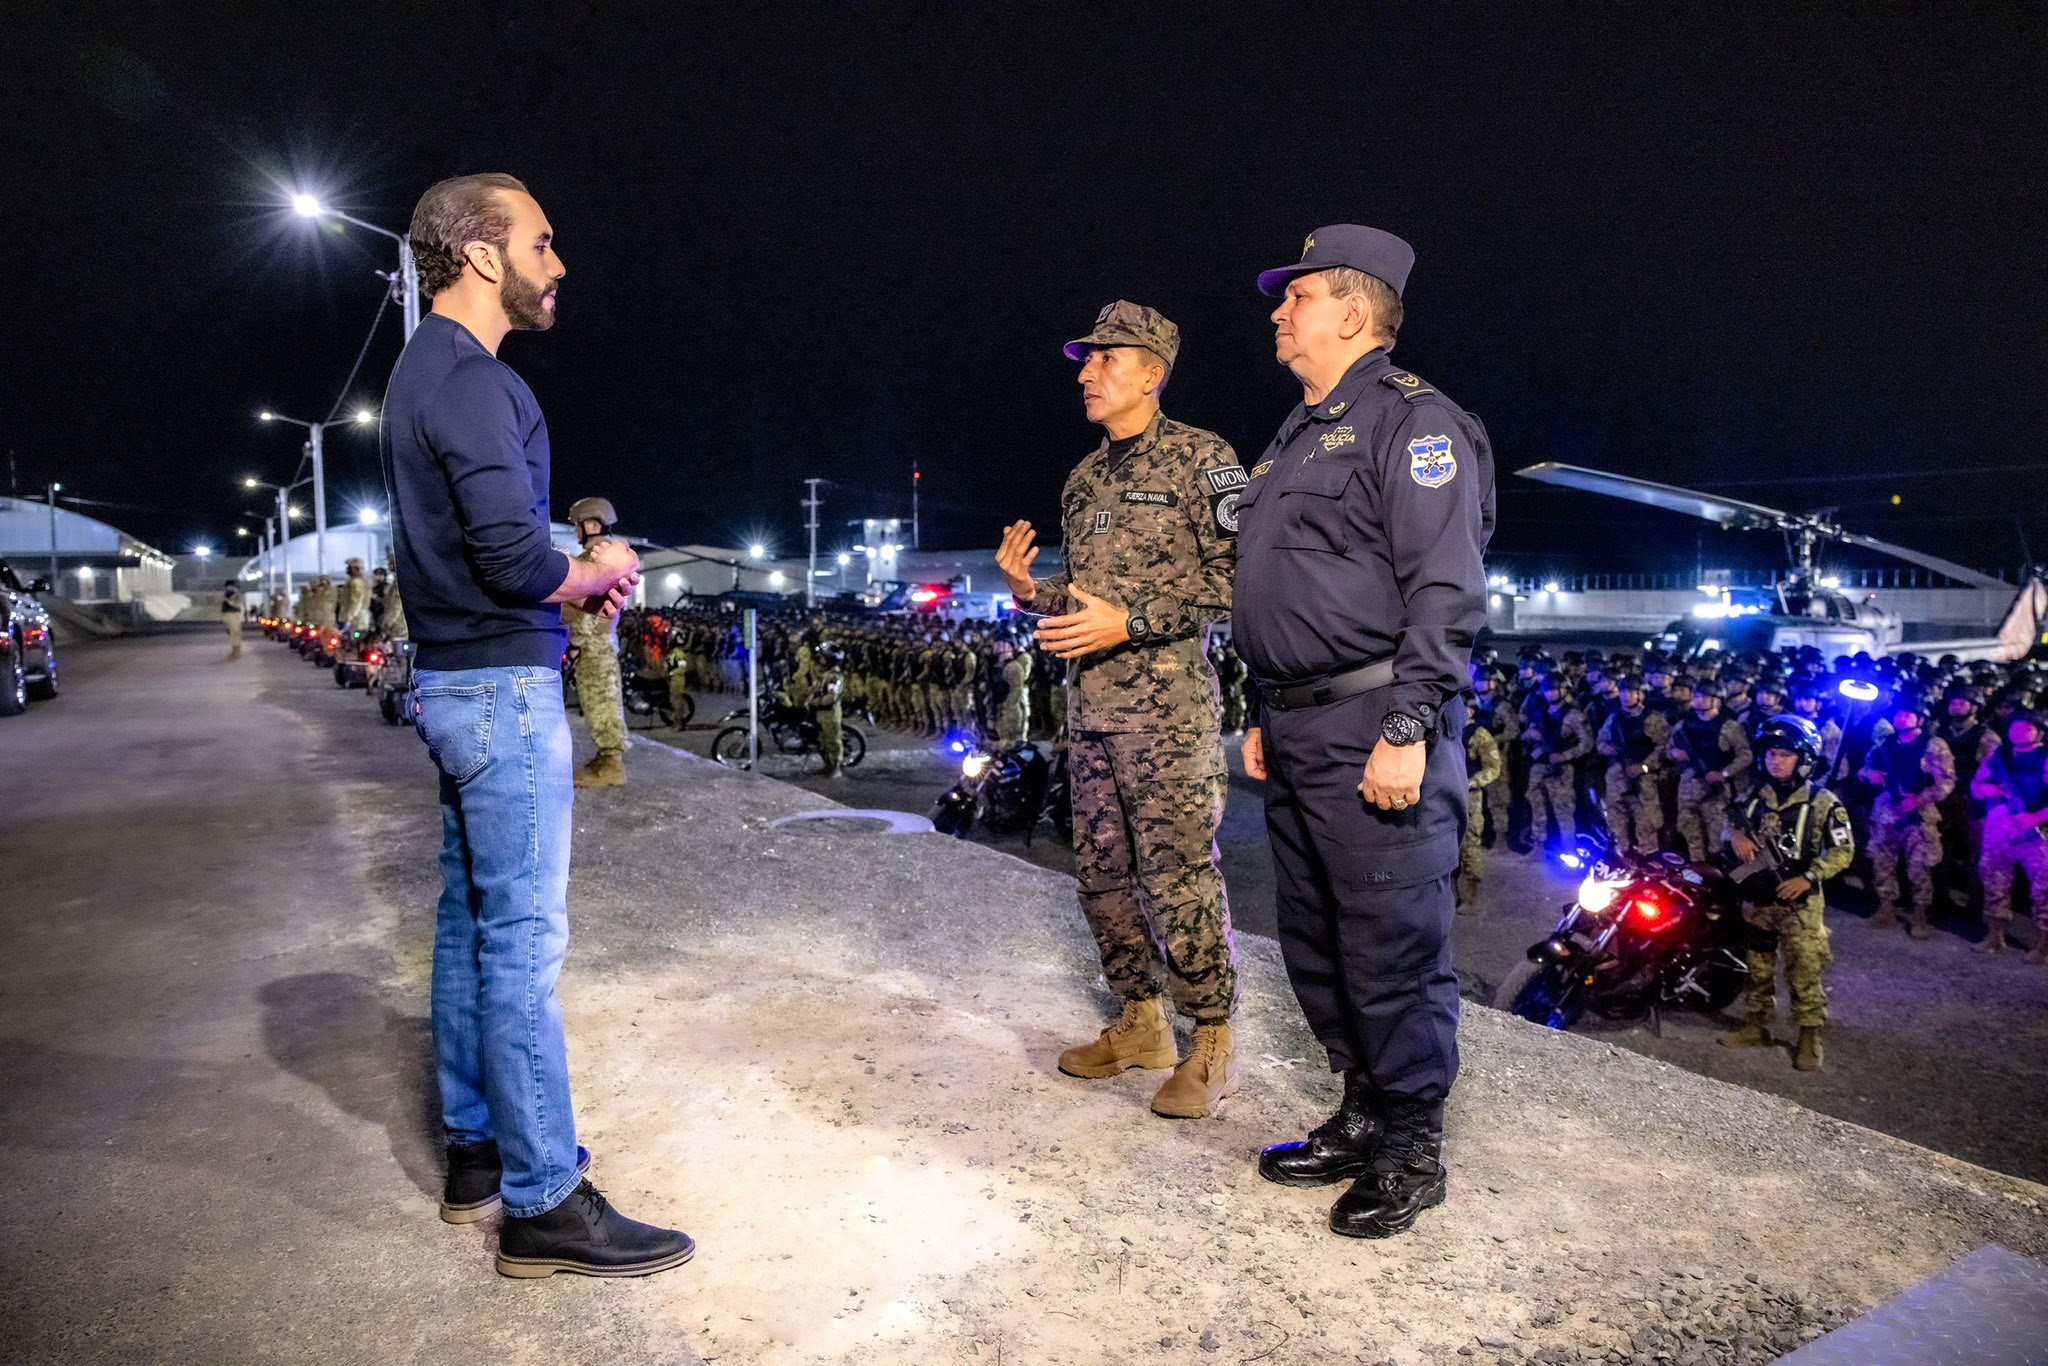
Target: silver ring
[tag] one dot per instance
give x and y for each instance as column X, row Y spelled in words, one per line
column 1400, row 802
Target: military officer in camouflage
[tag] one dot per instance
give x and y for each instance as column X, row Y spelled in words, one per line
column 1916, row 771
column 1789, row 837
column 1482, row 770
column 1149, row 523
column 598, row 686
column 1633, row 740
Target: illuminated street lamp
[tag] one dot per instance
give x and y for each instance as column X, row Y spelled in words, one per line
column 363, row 418
column 285, row 513
column 756, row 551
column 405, row 282
column 202, row 550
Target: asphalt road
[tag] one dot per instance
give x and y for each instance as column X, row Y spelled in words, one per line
column 1931, row 1042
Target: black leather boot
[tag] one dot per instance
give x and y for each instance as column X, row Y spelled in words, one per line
column 584, row 1234
column 1337, row 1149
column 1404, row 1178
column 474, row 1173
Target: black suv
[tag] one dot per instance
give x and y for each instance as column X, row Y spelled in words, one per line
column 28, row 656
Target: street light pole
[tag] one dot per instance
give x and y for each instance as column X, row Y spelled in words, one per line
column 315, row 431
column 811, row 576
column 53, row 536
column 407, row 278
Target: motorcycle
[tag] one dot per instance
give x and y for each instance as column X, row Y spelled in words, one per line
column 646, row 694
column 356, row 653
column 390, row 681
column 785, row 729
column 1645, row 933
column 1007, row 790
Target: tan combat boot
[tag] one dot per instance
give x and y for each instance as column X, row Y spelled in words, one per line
column 608, row 769
column 1994, row 938
column 1920, row 929
column 1141, row 1037
column 1887, row 917
column 1209, row 1074
column 1806, row 1057
column 1754, row 1032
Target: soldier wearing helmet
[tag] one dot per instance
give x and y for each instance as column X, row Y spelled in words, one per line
column 1916, row 772
column 1789, row 836
column 596, row 639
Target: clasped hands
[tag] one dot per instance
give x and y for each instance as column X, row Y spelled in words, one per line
column 612, row 555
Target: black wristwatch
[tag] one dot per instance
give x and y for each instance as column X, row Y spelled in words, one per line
column 1399, row 728
column 1138, row 626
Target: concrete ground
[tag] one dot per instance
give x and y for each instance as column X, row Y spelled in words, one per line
column 1930, row 1042
column 826, row 1052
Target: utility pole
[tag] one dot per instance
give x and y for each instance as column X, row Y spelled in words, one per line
column 52, row 495
column 811, row 504
column 915, row 479
column 284, row 529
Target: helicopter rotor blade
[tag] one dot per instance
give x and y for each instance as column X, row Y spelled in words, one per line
column 1728, row 512
column 1733, row 512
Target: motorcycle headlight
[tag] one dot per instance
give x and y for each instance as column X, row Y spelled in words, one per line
column 1596, row 894
column 974, row 765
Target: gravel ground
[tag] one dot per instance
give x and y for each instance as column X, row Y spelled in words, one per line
column 1931, row 1042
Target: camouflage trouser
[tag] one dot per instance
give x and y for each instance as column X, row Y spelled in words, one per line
column 1471, row 853
column 1498, row 800
column 1013, row 720
column 929, row 717
column 678, row 691
column 1634, row 813
column 1146, row 808
column 1551, row 803
column 1803, row 943
column 1702, row 814
column 2010, row 847
column 963, row 706
column 1912, row 838
column 597, row 682
column 831, row 736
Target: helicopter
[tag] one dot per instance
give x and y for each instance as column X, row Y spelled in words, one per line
column 1808, row 607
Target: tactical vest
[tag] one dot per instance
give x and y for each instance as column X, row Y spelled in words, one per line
column 1788, row 830
column 2025, row 776
column 1550, row 724
column 1965, row 744
column 1904, row 776
column 1636, row 743
column 1702, row 740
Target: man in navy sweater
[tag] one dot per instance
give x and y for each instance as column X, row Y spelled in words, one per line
column 465, row 454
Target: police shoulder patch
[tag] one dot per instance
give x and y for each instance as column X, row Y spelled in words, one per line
column 1431, row 462
column 1408, row 386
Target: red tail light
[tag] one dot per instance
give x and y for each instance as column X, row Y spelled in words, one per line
column 1650, row 912
column 376, row 658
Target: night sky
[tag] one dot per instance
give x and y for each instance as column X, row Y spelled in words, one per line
column 1801, row 244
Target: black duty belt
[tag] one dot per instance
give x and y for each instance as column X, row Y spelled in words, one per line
column 1321, row 692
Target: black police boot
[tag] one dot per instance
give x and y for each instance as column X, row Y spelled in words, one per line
column 1404, row 1178
column 584, row 1234
column 474, row 1173
column 1340, row 1147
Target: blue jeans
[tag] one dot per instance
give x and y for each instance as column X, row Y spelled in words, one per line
column 501, row 740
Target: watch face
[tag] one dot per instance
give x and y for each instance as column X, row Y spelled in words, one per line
column 1139, row 627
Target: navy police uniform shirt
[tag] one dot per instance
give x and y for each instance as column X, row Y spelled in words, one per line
column 1361, row 535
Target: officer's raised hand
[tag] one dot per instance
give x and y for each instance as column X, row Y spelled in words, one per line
column 1097, row 626
column 1393, row 775
column 1014, row 557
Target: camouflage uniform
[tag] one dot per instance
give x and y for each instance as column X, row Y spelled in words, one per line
column 2012, row 842
column 1716, row 744
column 1808, row 831
column 1633, row 805
column 320, row 602
column 826, row 683
column 1153, row 532
column 353, row 606
column 394, row 612
column 1558, row 740
column 1923, row 772
column 1483, row 771
column 598, row 688
column 1013, row 720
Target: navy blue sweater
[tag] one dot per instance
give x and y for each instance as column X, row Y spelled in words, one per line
column 465, row 453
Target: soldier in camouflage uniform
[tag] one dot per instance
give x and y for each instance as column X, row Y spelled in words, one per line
column 1482, row 772
column 2013, row 784
column 1499, row 717
column 598, row 687
column 1149, row 519
column 1709, row 750
column 1556, row 742
column 1790, row 836
column 1013, row 717
column 826, row 680
column 1917, row 771
column 1633, row 741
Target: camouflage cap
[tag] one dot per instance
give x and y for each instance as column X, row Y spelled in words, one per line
column 1124, row 323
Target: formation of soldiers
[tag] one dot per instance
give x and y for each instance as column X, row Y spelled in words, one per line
column 1937, row 763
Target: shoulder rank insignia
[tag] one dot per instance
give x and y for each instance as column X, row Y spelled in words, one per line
column 1408, row 386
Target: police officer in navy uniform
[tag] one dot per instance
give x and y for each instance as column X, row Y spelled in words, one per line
column 1359, row 591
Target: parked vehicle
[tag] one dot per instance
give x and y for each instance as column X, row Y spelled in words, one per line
column 28, row 654
column 785, row 729
column 1008, row 790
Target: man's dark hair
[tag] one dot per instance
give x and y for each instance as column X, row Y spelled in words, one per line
column 451, row 215
column 1379, row 297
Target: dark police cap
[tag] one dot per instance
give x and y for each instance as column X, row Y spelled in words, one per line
column 1379, row 254
column 1124, row 323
